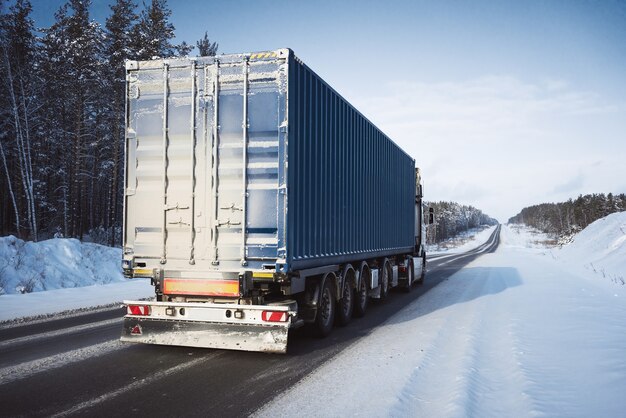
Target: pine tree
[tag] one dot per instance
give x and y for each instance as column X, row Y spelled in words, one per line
column 154, row 32
column 119, row 36
column 73, row 46
column 453, row 219
column 562, row 220
column 119, row 47
column 206, row 48
column 183, row 49
column 62, row 114
column 19, row 109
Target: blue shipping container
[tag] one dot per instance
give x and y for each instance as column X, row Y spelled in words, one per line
column 351, row 189
column 252, row 160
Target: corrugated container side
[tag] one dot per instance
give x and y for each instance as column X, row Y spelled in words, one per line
column 351, row 189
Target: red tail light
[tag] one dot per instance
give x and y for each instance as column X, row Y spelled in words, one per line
column 274, row 316
column 139, row 310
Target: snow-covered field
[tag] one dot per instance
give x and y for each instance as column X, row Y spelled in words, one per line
column 524, row 331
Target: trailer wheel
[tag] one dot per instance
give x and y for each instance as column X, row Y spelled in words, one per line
column 325, row 309
column 345, row 305
column 362, row 298
column 385, row 276
column 410, row 277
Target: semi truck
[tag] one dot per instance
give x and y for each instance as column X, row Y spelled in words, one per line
column 258, row 200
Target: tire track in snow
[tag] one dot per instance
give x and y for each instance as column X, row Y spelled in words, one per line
column 477, row 347
column 452, row 349
column 383, row 370
column 498, row 382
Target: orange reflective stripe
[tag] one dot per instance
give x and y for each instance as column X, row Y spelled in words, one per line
column 201, row 287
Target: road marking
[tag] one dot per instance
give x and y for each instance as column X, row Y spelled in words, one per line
column 62, row 331
column 135, row 385
column 24, row 370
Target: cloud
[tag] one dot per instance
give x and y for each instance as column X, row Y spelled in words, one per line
column 572, row 185
column 502, row 142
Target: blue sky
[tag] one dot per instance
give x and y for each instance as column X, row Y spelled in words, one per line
column 503, row 104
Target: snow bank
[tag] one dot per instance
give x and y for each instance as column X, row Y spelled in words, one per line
column 63, row 275
column 598, row 251
column 600, row 248
column 55, row 264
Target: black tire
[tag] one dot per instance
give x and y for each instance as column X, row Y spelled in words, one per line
column 410, row 279
column 325, row 309
column 361, row 296
column 385, row 277
column 345, row 305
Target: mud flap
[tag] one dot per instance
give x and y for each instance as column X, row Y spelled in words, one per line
column 246, row 337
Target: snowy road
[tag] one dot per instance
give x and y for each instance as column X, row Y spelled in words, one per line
column 511, row 334
column 488, row 338
column 77, row 366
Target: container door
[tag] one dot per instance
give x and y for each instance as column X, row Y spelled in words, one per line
column 205, row 156
column 166, row 211
column 246, row 147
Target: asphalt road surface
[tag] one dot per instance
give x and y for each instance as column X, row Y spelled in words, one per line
column 76, row 365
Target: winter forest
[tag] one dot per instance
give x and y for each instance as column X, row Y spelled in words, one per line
column 62, row 114
column 452, row 218
column 562, row 220
column 62, row 117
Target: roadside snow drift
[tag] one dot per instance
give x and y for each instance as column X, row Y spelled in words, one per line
column 57, row 263
column 61, row 275
column 600, row 248
column 514, row 333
